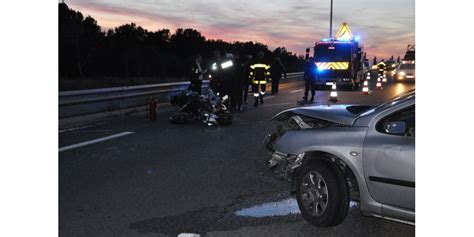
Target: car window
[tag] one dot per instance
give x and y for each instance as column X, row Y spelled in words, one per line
column 407, row 66
column 406, row 115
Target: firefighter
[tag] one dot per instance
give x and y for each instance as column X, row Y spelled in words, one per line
column 309, row 80
column 277, row 69
column 215, row 74
column 197, row 75
column 259, row 75
column 381, row 67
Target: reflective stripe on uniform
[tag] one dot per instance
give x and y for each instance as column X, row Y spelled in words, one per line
column 260, row 65
column 259, row 82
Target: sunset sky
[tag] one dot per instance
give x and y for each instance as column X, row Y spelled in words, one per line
column 385, row 27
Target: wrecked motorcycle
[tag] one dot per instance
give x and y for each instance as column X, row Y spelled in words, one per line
column 210, row 109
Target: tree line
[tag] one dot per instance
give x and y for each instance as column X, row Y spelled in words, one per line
column 127, row 51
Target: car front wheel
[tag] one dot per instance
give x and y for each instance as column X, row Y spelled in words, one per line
column 322, row 194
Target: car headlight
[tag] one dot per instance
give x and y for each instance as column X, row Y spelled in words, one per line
column 402, row 73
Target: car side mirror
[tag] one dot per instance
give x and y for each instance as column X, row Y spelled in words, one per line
column 396, row 127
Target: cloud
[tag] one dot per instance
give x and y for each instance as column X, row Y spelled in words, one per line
column 385, row 27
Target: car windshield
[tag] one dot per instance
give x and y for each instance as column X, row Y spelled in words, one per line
column 395, row 100
column 407, row 66
column 332, row 52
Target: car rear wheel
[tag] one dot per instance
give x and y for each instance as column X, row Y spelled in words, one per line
column 322, row 194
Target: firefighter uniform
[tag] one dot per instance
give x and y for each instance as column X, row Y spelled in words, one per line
column 259, row 76
column 381, row 67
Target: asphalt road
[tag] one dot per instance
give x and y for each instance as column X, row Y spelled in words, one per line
column 160, row 179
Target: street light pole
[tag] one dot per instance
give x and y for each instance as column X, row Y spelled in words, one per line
column 330, row 23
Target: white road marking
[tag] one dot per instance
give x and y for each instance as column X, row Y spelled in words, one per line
column 296, row 91
column 94, row 141
column 72, row 129
column 269, row 97
column 188, row 235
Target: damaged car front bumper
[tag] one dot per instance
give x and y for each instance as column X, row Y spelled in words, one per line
column 284, row 165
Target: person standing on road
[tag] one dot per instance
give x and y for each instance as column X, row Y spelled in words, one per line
column 260, row 75
column 228, row 75
column 381, row 67
column 309, row 80
column 197, row 75
column 215, row 75
column 277, row 69
column 236, row 84
column 246, row 78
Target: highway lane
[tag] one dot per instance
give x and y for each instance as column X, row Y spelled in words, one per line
column 165, row 179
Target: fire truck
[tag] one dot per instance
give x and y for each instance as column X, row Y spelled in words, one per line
column 339, row 59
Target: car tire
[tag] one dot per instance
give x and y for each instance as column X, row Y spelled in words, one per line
column 311, row 196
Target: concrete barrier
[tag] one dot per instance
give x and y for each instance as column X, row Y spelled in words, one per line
column 93, row 101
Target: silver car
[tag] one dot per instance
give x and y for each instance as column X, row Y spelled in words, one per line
column 406, row 72
column 336, row 153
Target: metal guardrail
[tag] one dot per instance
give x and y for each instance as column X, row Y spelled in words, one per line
column 84, row 102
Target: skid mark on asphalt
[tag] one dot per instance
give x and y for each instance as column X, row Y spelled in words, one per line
column 86, row 143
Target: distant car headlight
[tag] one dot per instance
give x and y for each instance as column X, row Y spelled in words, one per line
column 402, row 73
column 394, row 65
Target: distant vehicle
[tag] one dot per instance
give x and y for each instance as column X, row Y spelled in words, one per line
column 391, row 65
column 337, row 153
column 406, row 71
column 338, row 60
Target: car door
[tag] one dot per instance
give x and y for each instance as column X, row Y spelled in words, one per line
column 389, row 158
